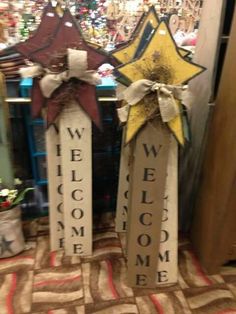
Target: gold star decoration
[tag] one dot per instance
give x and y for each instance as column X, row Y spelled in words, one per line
column 160, row 62
column 148, row 22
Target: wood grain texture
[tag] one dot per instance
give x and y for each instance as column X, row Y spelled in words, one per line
column 123, row 187
column 201, row 88
column 55, row 192
column 167, row 259
column 148, row 181
column 76, row 151
column 214, row 223
column 167, row 263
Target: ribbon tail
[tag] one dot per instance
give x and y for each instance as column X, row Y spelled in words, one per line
column 168, row 107
column 54, row 108
column 32, row 71
column 38, row 99
column 85, row 95
column 123, row 113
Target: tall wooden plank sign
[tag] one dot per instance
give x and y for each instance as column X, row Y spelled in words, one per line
column 55, row 187
column 150, row 158
column 167, row 270
column 76, row 148
column 123, row 188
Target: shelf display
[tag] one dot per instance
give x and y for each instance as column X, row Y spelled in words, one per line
column 104, row 23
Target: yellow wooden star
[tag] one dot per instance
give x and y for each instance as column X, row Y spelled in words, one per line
column 128, row 52
column 160, row 62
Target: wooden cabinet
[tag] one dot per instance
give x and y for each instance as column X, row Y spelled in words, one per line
column 214, row 227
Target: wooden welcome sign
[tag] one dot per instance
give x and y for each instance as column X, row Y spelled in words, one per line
column 146, row 203
column 76, row 149
column 167, row 270
column 69, row 149
column 153, row 103
column 123, row 188
column 55, row 187
column 66, row 78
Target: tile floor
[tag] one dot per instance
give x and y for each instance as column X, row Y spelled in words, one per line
column 40, row 282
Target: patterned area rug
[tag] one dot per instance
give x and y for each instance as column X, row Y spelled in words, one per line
column 40, row 282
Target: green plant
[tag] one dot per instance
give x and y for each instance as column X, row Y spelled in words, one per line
column 10, row 198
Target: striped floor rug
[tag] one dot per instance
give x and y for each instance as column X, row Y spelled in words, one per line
column 42, row 282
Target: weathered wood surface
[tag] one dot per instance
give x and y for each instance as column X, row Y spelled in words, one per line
column 213, row 231
column 123, row 188
column 76, row 151
column 148, row 180
column 55, row 187
column 207, row 51
column 167, row 268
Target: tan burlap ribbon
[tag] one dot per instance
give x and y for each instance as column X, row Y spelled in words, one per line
column 166, row 98
column 77, row 67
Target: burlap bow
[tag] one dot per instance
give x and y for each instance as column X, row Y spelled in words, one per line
column 77, row 67
column 166, row 98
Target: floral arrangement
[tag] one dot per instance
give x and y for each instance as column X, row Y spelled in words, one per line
column 10, row 198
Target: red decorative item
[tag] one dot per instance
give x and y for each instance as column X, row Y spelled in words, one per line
column 5, row 204
column 49, row 23
column 50, row 56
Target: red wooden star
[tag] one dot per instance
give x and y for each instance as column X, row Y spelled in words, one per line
column 66, row 36
column 49, row 23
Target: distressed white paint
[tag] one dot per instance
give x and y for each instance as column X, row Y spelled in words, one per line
column 77, row 158
column 54, row 182
column 123, row 187
column 167, row 267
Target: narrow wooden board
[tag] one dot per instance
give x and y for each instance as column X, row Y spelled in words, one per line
column 123, row 187
column 148, row 181
column 201, row 90
column 76, row 147
column 167, row 269
column 55, row 188
column 213, row 230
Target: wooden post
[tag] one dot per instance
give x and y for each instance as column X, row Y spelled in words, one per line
column 167, row 268
column 201, row 91
column 150, row 157
column 123, row 187
column 55, row 187
column 213, row 230
column 76, row 150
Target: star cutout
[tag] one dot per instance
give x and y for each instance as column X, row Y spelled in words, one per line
column 5, row 245
column 49, row 23
column 67, row 36
column 142, row 34
column 174, row 69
